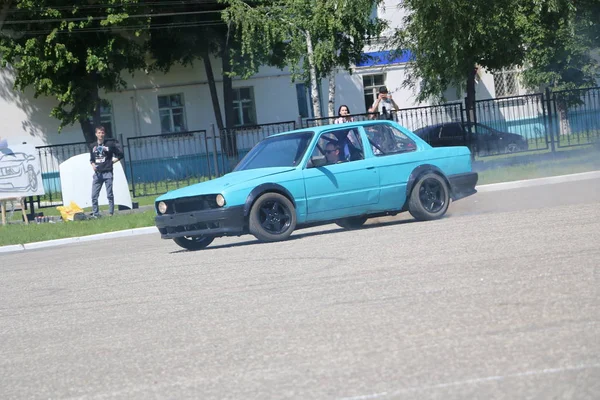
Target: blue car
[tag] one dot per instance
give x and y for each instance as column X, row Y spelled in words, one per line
column 342, row 173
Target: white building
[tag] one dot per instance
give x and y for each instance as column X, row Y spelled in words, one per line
column 180, row 100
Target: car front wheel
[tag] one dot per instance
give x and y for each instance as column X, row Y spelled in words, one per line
column 194, row 242
column 272, row 218
column 429, row 198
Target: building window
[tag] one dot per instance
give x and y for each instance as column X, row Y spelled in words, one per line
column 244, row 110
column 506, row 83
column 106, row 119
column 371, row 84
column 172, row 113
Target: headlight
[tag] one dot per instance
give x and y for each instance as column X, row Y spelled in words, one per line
column 162, row 207
column 220, row 200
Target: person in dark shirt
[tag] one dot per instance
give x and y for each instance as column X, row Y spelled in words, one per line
column 103, row 154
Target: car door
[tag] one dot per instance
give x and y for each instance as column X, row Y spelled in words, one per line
column 396, row 156
column 452, row 134
column 349, row 187
column 487, row 139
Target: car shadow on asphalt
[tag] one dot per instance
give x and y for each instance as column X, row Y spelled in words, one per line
column 297, row 235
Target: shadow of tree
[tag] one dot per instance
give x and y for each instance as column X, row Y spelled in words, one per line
column 35, row 122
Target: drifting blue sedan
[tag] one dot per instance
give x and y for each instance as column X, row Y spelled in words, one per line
column 341, row 174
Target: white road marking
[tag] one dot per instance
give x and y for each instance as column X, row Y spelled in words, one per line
column 473, row 381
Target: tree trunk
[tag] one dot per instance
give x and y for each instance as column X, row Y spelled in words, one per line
column 210, row 76
column 229, row 139
column 565, row 125
column 331, row 107
column 470, row 106
column 88, row 126
column 470, row 100
column 314, row 88
column 4, row 12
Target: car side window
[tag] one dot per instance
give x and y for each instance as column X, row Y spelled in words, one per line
column 343, row 145
column 385, row 140
column 481, row 130
column 451, row 130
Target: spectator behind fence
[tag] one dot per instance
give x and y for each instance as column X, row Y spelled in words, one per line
column 103, row 155
column 343, row 115
column 384, row 104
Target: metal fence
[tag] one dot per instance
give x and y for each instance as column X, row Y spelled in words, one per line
column 50, row 159
column 575, row 117
column 156, row 164
column 232, row 144
column 159, row 163
column 518, row 123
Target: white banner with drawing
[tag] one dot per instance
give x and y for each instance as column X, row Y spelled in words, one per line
column 20, row 172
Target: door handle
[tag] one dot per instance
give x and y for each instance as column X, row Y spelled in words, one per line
column 370, row 167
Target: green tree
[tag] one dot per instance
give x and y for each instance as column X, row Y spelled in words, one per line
column 71, row 53
column 316, row 37
column 450, row 39
column 559, row 36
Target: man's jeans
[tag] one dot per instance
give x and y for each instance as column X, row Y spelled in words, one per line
column 99, row 179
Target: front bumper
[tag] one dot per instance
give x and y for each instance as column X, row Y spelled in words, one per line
column 463, row 185
column 215, row 222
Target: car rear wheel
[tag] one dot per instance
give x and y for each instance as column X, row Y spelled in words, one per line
column 272, row 218
column 352, row 222
column 194, row 242
column 429, row 198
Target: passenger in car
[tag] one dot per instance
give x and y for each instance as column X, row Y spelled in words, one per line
column 376, row 137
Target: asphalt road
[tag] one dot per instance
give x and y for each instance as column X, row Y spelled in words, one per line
column 500, row 300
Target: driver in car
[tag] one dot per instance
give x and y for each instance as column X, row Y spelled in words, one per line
column 332, row 153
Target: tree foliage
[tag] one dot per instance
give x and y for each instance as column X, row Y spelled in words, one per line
column 449, row 38
column 311, row 38
column 559, row 36
column 551, row 39
column 71, row 53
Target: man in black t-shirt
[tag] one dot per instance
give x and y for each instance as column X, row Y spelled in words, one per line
column 103, row 154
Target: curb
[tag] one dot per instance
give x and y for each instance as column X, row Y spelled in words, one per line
column 538, row 181
column 81, row 239
column 152, row 229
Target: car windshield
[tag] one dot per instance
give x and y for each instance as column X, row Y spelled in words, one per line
column 278, row 151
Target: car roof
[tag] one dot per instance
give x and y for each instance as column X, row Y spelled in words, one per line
column 319, row 129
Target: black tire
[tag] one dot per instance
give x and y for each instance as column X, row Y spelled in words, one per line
column 194, row 242
column 512, row 148
column 429, row 198
column 32, row 178
column 272, row 218
column 352, row 222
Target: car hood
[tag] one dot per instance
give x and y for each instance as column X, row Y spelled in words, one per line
column 219, row 185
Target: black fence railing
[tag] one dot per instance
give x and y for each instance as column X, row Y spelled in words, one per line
column 575, row 117
column 538, row 122
column 232, row 144
column 50, row 159
column 509, row 125
column 159, row 163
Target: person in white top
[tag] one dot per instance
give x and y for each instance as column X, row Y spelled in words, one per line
column 343, row 115
column 384, row 104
